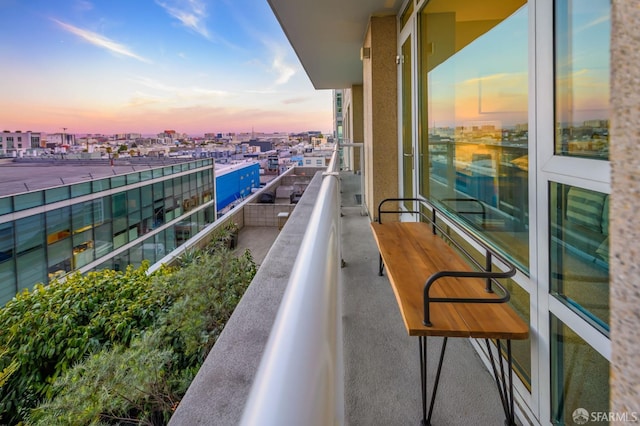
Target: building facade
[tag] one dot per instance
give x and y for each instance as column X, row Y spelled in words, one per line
column 508, row 107
column 105, row 223
column 236, row 182
column 16, row 144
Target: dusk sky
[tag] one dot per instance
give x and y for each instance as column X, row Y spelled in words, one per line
column 143, row 66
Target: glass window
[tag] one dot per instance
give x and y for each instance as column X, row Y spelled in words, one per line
column 83, row 248
column 119, row 211
column 582, row 50
column 58, row 224
column 579, row 376
column 7, row 264
column 6, row 205
column 29, row 233
column 404, row 18
column 6, row 242
column 80, row 189
column 101, row 185
column 121, row 261
column 136, row 254
column 133, row 200
column 28, row 200
column 31, row 268
column 56, row 194
column 579, row 251
column 117, row 181
column 473, row 114
column 146, row 193
column 7, row 281
column 100, row 208
column 59, row 259
column 133, row 178
column 103, row 240
column 82, row 214
column 158, row 190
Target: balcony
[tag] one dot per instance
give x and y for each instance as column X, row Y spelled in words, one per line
column 376, row 366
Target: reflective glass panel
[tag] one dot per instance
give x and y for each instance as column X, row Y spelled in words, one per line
column 56, row 194
column 58, row 224
column 7, row 281
column 579, row 251
column 6, row 205
column 579, row 378
column 101, row 185
column 29, row 233
column 28, row 200
column 31, row 269
column 80, row 189
column 6, row 242
column 473, row 117
column 582, row 50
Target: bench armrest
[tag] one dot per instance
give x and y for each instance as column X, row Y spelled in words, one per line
column 488, row 275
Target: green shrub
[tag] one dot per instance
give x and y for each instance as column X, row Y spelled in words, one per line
column 116, row 385
column 140, row 380
column 48, row 330
column 205, row 293
column 116, row 347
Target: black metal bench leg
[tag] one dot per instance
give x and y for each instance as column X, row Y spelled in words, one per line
column 422, row 343
column 426, row 416
column 380, row 265
column 504, row 384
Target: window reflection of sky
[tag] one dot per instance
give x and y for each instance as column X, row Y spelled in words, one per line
column 485, row 80
column 583, row 61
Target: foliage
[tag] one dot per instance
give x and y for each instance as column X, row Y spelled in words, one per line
column 114, row 348
column 116, row 385
column 48, row 330
column 205, row 293
column 11, row 368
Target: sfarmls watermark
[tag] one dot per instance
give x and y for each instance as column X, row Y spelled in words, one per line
column 582, row 416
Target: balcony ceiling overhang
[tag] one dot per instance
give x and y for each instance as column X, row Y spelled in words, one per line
column 327, row 36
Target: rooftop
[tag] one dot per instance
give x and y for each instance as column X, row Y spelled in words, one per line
column 30, row 175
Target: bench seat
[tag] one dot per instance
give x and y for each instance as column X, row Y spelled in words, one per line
column 411, row 254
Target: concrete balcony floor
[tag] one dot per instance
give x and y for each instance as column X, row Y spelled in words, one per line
column 382, row 382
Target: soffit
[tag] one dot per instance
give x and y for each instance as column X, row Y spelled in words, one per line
column 327, row 36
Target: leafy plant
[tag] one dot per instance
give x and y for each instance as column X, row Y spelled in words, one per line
column 130, row 385
column 48, row 330
column 8, row 370
column 134, row 380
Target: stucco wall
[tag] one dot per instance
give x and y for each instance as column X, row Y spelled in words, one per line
column 625, row 204
column 380, row 112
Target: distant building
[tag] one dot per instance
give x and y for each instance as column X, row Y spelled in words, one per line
column 16, row 144
column 78, row 218
column 235, row 182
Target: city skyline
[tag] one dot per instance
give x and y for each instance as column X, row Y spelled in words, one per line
column 196, row 66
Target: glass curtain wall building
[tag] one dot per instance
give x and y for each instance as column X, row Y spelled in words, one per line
column 104, row 223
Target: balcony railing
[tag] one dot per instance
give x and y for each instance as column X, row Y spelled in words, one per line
column 301, row 379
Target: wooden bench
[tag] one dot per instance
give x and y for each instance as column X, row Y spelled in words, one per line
column 440, row 294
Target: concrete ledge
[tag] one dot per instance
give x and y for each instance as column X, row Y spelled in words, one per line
column 219, row 391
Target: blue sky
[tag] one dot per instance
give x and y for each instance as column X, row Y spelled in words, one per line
column 111, row 66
